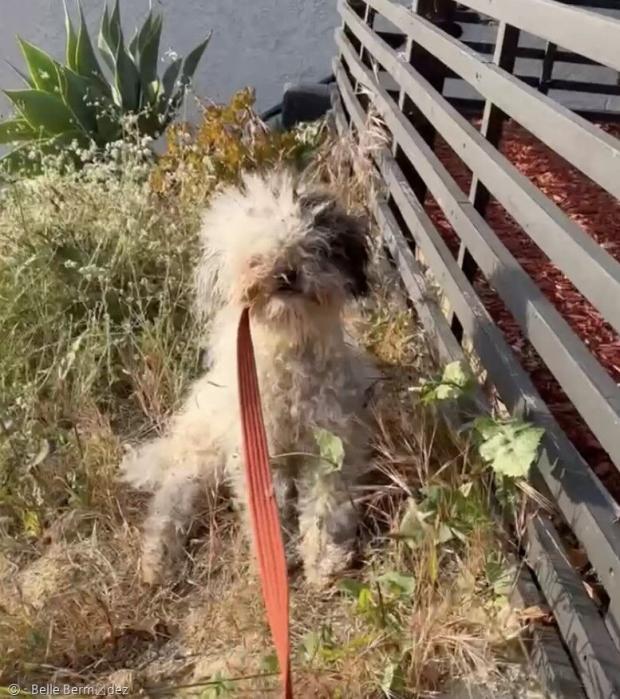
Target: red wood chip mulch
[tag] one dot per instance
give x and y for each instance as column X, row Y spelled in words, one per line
column 598, row 213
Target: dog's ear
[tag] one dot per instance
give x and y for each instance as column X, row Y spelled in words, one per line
column 346, row 236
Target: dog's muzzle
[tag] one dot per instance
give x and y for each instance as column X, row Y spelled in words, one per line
column 288, row 282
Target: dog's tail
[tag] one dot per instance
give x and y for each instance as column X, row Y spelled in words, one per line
column 144, row 467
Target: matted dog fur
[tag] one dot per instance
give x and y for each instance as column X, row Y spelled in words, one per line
column 295, row 258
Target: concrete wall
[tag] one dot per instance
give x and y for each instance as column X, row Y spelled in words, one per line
column 262, row 43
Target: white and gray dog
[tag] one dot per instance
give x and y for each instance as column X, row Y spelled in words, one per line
column 294, row 258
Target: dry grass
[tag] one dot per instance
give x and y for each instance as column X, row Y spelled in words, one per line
column 419, row 611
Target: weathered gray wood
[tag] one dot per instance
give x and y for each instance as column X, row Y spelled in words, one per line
column 548, row 656
column 415, row 283
column 592, row 649
column 591, row 269
column 594, row 152
column 588, row 33
column 546, row 69
column 493, row 119
column 580, row 496
column 588, row 386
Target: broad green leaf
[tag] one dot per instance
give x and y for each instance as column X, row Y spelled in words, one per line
column 330, row 447
column 486, row 427
column 15, row 130
column 444, row 534
column 396, row 582
column 455, row 374
column 511, row 447
column 86, row 63
column 44, row 112
column 41, row 67
column 413, row 526
column 453, row 383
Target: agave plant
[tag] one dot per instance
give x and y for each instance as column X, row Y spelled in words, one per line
column 88, row 99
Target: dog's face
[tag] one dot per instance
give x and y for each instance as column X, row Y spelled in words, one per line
column 284, row 254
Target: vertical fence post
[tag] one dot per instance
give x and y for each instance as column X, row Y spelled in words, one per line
column 433, row 71
column 506, row 45
column 546, row 70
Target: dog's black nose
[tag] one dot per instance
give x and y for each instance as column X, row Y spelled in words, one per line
column 287, row 280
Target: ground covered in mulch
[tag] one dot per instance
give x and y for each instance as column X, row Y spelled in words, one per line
column 598, row 213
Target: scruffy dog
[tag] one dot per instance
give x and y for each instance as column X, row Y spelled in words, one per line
column 294, row 258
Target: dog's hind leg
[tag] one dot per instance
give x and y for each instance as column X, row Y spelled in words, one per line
column 170, row 513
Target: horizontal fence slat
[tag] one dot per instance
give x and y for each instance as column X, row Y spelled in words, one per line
column 593, row 151
column 585, row 87
column 484, row 47
column 580, row 496
column 592, row 649
column 588, row 33
column 590, row 268
column 588, row 386
column 473, row 107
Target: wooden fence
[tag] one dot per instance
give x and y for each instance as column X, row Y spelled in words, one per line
column 405, row 85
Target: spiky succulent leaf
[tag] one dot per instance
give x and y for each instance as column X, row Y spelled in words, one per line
column 13, row 130
column 107, row 53
column 149, row 52
column 127, row 79
column 191, row 62
column 77, row 100
column 86, row 63
column 80, row 96
column 72, row 39
column 45, row 113
column 22, row 75
column 187, row 73
column 40, row 65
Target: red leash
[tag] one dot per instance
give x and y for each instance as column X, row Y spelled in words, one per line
column 263, row 507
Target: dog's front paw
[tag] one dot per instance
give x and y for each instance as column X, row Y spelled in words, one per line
column 160, row 563
column 332, row 561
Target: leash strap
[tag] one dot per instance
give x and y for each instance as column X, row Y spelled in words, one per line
column 266, row 528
